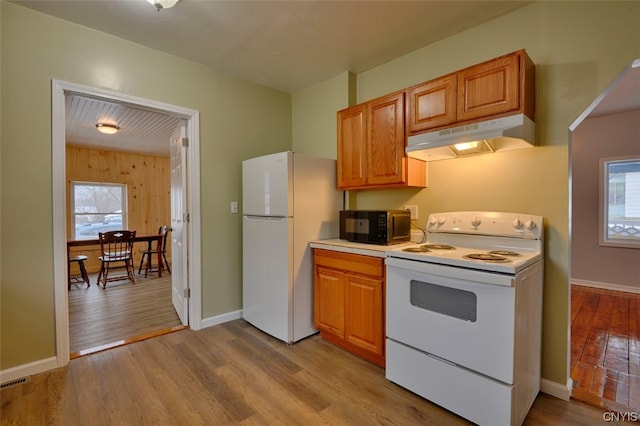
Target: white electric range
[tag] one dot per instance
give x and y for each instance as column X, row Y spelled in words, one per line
column 464, row 314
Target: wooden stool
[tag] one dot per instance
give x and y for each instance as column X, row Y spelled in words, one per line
column 83, row 277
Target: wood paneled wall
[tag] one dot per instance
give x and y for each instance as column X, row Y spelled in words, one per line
column 148, row 180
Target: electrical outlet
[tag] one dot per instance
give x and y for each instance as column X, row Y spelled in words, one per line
column 234, row 207
column 414, row 211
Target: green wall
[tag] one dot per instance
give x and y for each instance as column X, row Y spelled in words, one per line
column 578, row 49
column 238, row 120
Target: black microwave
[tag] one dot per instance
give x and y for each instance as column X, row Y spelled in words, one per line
column 375, row 226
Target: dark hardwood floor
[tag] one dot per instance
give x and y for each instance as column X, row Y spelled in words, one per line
column 122, row 312
column 234, row 374
column 605, row 347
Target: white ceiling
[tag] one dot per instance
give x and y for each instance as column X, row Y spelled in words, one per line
column 286, row 45
column 141, row 131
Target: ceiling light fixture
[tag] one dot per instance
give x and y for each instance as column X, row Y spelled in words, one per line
column 106, row 128
column 163, row 4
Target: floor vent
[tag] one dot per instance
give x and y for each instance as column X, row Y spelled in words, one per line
column 15, row 382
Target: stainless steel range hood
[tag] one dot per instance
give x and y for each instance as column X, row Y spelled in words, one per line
column 500, row 134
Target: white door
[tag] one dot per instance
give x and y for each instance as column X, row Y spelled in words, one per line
column 179, row 222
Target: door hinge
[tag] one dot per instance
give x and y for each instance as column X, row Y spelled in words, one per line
column 187, row 293
column 186, row 217
column 185, row 142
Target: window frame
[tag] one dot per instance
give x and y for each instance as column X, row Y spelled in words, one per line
column 603, row 219
column 72, row 201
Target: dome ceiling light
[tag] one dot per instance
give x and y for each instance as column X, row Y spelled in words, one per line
column 107, row 128
column 163, row 4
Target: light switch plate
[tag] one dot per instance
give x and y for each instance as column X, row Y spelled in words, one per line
column 234, row 207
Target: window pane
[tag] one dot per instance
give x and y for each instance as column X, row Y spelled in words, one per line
column 97, row 208
column 623, row 201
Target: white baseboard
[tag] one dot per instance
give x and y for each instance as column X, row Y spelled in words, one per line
column 29, row 369
column 606, row 286
column 556, row 389
column 220, row 319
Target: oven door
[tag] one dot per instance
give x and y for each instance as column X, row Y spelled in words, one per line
column 463, row 316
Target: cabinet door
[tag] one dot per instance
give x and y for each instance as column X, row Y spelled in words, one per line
column 386, row 138
column 364, row 323
column 489, row 88
column 329, row 301
column 432, row 104
column 352, row 143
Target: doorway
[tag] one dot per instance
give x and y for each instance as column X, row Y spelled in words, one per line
column 604, row 287
column 191, row 240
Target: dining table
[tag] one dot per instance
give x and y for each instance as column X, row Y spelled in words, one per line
column 149, row 238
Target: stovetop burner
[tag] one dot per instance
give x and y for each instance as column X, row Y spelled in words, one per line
column 426, row 248
column 486, row 257
column 507, row 253
column 439, row 247
column 418, row 249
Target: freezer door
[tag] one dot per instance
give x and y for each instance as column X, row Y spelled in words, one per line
column 267, row 185
column 268, row 275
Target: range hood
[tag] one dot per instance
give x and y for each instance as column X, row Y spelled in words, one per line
column 500, row 134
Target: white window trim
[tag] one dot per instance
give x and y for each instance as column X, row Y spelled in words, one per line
column 123, row 207
column 603, row 216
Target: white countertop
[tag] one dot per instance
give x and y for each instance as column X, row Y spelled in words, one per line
column 375, row 250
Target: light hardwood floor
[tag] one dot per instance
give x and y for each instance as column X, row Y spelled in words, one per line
column 234, row 374
column 605, row 347
column 120, row 313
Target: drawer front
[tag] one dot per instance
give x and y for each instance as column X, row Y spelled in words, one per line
column 352, row 263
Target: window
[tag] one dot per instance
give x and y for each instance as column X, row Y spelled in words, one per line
column 620, row 202
column 97, row 207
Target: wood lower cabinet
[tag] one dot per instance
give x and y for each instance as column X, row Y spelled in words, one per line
column 349, row 302
column 371, row 146
column 496, row 88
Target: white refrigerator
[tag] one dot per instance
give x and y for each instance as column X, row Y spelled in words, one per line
column 288, row 200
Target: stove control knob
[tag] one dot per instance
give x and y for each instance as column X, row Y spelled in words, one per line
column 476, row 222
column 441, row 220
column 433, row 220
column 517, row 223
column 530, row 224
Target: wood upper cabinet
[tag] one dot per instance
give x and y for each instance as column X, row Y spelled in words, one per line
column 349, row 302
column 432, row 104
column 352, row 147
column 371, row 146
column 489, row 88
column 386, row 140
column 495, row 88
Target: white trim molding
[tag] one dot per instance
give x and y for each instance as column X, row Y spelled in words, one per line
column 29, row 369
column 557, row 389
column 606, row 286
column 220, row 319
column 58, row 143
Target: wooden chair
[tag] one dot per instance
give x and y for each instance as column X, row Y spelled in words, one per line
column 117, row 253
column 150, row 253
column 77, row 279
